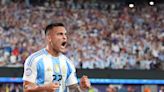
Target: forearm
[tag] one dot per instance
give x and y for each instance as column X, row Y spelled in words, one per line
column 31, row 87
column 76, row 88
column 34, row 88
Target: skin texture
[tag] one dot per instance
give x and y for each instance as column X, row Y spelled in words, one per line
column 56, row 43
column 31, row 87
column 55, row 38
column 85, row 83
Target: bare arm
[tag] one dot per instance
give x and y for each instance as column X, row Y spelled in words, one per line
column 31, row 87
column 75, row 88
column 84, row 85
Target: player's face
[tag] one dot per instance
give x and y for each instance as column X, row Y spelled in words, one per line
column 58, row 39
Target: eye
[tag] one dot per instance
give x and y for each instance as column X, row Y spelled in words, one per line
column 59, row 33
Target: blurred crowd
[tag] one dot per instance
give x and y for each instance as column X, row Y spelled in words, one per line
column 100, row 34
column 11, row 87
column 18, row 87
column 135, row 88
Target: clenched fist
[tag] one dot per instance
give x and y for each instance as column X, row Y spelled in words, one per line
column 84, row 82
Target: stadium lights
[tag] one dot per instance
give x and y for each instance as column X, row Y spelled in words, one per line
column 131, row 5
column 151, row 3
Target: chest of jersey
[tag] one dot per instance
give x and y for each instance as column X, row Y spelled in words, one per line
column 51, row 69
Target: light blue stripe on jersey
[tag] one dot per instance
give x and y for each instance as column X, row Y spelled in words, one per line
column 45, row 51
column 65, row 89
column 40, row 72
column 35, row 55
column 69, row 69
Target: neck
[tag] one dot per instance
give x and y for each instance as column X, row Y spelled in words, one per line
column 51, row 51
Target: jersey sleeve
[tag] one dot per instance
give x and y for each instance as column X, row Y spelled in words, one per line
column 71, row 74
column 30, row 70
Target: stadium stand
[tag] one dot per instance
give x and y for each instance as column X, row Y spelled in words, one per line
column 112, row 38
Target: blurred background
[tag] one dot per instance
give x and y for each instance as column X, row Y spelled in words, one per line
column 119, row 44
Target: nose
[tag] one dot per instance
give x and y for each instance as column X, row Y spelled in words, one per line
column 65, row 36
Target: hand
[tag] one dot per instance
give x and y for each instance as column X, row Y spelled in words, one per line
column 84, row 82
column 51, row 87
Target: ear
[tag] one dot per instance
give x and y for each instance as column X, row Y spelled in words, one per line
column 48, row 38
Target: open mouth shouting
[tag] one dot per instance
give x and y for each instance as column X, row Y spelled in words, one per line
column 63, row 44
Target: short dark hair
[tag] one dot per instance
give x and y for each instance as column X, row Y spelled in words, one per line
column 50, row 26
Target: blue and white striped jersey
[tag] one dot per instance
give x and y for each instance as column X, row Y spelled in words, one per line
column 42, row 68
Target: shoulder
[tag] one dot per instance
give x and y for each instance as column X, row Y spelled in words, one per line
column 62, row 56
column 36, row 55
column 68, row 62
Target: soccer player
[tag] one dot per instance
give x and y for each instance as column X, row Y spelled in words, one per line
column 48, row 70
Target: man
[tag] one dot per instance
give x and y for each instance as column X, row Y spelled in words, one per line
column 48, row 70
